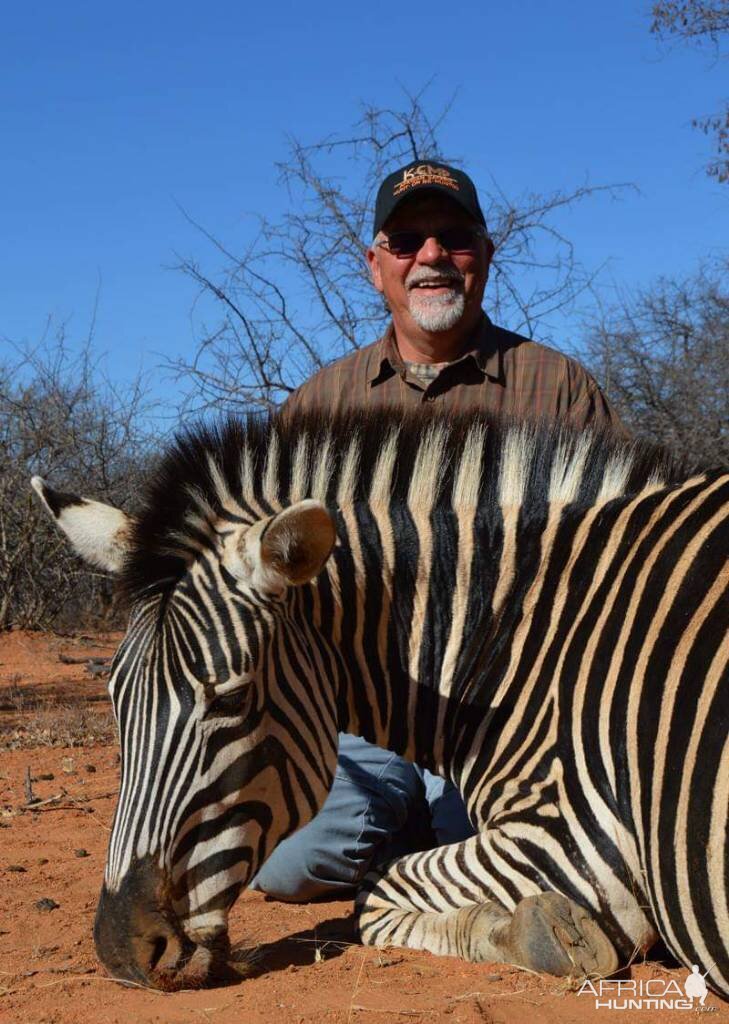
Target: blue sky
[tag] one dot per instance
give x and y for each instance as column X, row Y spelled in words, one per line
column 112, row 115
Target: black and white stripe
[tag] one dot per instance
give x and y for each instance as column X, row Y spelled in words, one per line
column 538, row 615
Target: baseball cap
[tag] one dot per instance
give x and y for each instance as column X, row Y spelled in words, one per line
column 420, row 176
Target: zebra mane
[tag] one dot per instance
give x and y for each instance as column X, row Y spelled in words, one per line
column 244, row 469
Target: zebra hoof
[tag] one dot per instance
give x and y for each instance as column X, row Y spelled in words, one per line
column 552, row 934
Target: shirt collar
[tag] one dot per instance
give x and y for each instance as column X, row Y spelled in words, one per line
column 483, row 348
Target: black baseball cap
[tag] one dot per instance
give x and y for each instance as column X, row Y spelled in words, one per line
column 425, row 176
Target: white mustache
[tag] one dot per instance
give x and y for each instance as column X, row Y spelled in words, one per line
column 445, row 276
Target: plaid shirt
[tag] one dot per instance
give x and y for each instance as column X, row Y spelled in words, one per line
column 500, row 372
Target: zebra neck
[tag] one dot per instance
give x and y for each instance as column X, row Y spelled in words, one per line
column 424, row 623
column 407, row 605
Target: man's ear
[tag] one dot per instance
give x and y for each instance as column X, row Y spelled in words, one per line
column 490, row 250
column 373, row 259
column 286, row 550
column 99, row 533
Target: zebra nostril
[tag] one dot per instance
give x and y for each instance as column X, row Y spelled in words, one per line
column 170, row 953
column 159, row 946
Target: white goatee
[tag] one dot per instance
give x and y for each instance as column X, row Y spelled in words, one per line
column 436, row 313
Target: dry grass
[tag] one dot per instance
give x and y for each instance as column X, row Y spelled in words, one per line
column 49, row 722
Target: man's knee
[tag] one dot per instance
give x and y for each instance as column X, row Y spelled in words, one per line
column 294, row 873
column 449, row 818
column 373, row 796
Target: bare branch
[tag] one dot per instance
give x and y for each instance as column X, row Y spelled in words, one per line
column 701, row 22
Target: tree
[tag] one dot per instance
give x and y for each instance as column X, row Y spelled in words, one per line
column 60, row 418
column 662, row 355
column 700, row 21
column 299, row 295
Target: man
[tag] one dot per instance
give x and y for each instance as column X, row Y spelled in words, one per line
column 430, row 260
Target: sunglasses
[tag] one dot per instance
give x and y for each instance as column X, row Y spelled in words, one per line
column 408, row 243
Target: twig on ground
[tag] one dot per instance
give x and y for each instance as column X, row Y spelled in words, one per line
column 356, row 986
column 67, row 659
column 94, row 796
column 35, row 804
column 56, row 807
column 401, row 1013
column 71, row 801
column 111, row 981
column 30, row 797
column 466, row 995
column 53, row 970
column 512, row 995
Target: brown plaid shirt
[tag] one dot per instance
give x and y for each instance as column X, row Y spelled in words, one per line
column 500, row 372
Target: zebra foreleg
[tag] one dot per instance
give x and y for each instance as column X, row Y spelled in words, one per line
column 475, row 933
column 411, row 904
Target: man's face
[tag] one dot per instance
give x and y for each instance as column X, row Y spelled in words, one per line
column 433, row 290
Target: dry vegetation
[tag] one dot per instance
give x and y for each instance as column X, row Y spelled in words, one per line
column 52, row 723
column 60, row 418
column 53, row 691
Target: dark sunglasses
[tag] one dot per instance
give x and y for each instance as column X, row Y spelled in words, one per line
column 407, row 243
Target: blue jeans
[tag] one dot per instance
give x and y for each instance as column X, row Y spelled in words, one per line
column 379, row 807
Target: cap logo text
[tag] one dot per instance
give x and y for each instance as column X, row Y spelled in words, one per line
column 425, row 174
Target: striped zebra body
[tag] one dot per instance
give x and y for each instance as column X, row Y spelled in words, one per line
column 539, row 616
column 614, row 787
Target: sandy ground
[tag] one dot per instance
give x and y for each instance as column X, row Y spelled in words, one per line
column 306, row 966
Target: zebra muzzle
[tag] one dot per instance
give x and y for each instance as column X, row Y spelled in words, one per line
column 139, row 938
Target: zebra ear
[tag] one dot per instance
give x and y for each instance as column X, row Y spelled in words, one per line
column 296, row 543
column 98, row 532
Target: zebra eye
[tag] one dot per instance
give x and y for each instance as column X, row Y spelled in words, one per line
column 227, row 705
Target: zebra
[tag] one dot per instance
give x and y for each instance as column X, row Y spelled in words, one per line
column 537, row 614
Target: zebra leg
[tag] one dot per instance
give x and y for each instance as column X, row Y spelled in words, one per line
column 427, row 901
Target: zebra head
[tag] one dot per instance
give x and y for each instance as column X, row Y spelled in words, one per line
column 220, row 759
